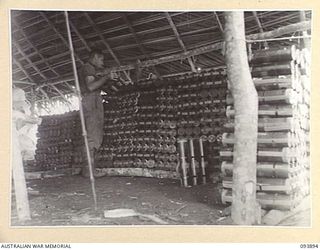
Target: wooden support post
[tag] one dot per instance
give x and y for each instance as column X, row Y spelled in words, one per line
column 244, row 206
column 20, row 186
column 83, row 126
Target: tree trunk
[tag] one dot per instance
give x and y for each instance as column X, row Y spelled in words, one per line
column 244, row 206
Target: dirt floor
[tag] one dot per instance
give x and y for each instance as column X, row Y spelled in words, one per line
column 68, row 201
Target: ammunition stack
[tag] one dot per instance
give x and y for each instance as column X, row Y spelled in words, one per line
column 144, row 124
column 59, row 142
column 105, row 154
column 140, row 128
column 166, row 156
column 282, row 82
column 201, row 115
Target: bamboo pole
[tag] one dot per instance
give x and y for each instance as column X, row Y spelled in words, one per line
column 84, row 132
column 244, row 206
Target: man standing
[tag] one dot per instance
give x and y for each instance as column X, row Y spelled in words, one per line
column 90, row 87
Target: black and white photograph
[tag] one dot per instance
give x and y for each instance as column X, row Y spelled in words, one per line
column 160, row 118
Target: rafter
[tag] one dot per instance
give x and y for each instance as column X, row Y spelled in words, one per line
column 16, row 62
column 218, row 21
column 138, row 42
column 80, row 36
column 98, row 31
column 24, row 82
column 69, row 86
column 43, row 15
column 254, row 13
column 60, row 93
column 177, row 35
column 29, row 61
column 34, row 47
column 306, row 25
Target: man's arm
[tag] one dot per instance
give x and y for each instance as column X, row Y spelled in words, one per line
column 94, row 84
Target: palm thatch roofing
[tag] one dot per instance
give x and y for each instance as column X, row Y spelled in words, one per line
column 41, row 61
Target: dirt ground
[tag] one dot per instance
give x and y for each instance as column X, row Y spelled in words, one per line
column 68, row 201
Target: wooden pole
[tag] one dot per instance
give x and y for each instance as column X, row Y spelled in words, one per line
column 193, row 163
column 20, row 186
column 245, row 97
column 84, row 131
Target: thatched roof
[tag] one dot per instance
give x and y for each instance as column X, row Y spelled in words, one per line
column 41, row 55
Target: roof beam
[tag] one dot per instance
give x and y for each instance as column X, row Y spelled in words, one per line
column 80, row 36
column 69, row 86
column 218, row 21
column 98, row 31
column 32, row 46
column 60, row 93
column 138, row 42
column 28, row 59
column 44, row 93
column 24, row 82
column 58, row 33
column 177, row 35
column 254, row 13
column 291, row 28
column 22, row 69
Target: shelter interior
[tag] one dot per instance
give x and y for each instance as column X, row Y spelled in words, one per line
column 172, row 108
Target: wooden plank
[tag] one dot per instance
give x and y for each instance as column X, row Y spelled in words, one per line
column 142, row 172
column 52, row 173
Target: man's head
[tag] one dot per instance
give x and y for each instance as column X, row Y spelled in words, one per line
column 97, row 58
